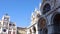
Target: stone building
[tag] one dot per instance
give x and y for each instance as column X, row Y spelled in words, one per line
column 48, row 22
column 33, row 28
column 6, row 26
column 21, row 30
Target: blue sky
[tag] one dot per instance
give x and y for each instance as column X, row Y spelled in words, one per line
column 19, row 10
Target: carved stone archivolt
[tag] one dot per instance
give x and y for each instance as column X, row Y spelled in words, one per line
column 42, row 22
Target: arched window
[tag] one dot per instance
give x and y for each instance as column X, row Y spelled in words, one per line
column 34, row 29
column 30, row 31
column 56, row 19
column 38, row 15
column 4, row 30
column 56, row 23
column 46, row 8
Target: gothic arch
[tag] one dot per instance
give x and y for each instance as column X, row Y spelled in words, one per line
column 30, row 31
column 42, row 25
column 42, row 22
column 34, row 29
column 43, row 4
column 56, row 18
column 46, row 8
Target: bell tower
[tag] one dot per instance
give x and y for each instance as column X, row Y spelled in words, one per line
column 6, row 17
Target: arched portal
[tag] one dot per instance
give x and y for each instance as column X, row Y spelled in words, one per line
column 56, row 23
column 42, row 25
column 56, row 19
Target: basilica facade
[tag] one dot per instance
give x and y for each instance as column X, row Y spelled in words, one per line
column 6, row 26
column 46, row 20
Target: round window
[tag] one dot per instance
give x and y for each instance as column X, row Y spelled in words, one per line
column 4, row 30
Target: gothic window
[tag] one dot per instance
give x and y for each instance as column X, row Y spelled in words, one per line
column 34, row 29
column 46, row 8
column 30, row 31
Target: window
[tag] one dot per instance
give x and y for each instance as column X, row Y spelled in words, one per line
column 9, row 32
column 6, row 19
column 46, row 8
column 10, row 24
column 4, row 30
column 34, row 29
column 13, row 32
column 5, row 23
column 13, row 24
column 30, row 31
column 56, row 19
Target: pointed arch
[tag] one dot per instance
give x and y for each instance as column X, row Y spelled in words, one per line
column 46, row 8
column 34, row 29
column 42, row 22
column 30, row 31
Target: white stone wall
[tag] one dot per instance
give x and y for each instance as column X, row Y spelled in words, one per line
column 4, row 24
column 36, row 27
